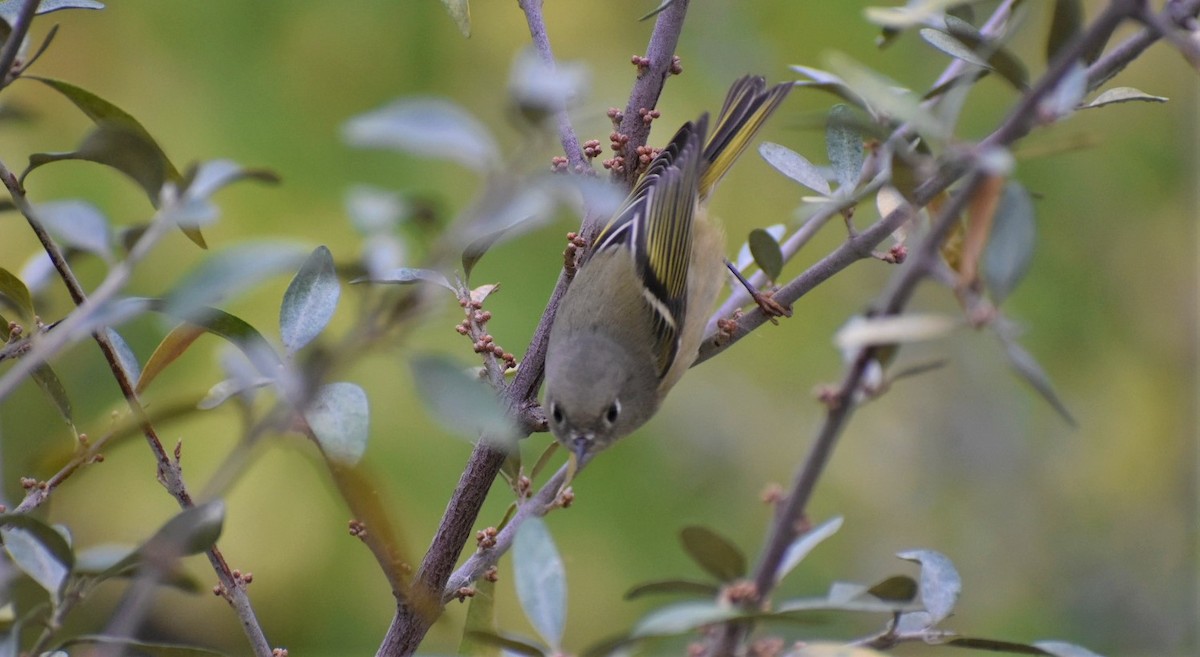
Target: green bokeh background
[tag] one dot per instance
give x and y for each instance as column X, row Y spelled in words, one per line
column 1086, row 535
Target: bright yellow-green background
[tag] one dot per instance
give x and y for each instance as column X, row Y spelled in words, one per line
column 1086, row 535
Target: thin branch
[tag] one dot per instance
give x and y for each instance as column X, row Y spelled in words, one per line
column 20, row 27
column 660, row 52
column 541, row 503
column 790, row 516
column 169, row 472
column 541, row 42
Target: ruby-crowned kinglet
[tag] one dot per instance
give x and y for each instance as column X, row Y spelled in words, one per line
column 632, row 320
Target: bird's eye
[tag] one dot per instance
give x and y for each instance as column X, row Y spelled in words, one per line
column 614, row 410
column 556, row 413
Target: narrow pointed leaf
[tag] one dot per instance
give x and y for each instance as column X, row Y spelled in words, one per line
column 407, row 276
column 683, row 617
column 9, row 9
column 766, row 252
column 1063, row 649
column 462, row 403
column 886, row 96
column 1123, row 95
column 804, row 544
column 50, row 384
column 1066, row 24
column 191, row 531
column 940, row 583
column 898, row 588
column 844, row 145
column 657, row 10
column 125, row 356
column 794, row 166
column 77, row 224
column 1009, row 251
column 673, row 586
column 210, row 177
column 994, row 645
column 39, row 551
column 460, row 13
column 997, row 57
column 142, row 647
column 339, row 416
column 1028, row 369
column 428, row 127
column 1067, row 95
column 481, row 618
column 14, row 295
column 951, row 46
column 221, row 324
column 229, row 272
column 310, row 300
column 540, row 581
column 713, row 552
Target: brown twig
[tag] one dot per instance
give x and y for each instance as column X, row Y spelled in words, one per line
column 169, row 472
column 541, row 42
column 1021, row 119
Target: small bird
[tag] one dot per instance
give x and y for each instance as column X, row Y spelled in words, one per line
column 632, row 320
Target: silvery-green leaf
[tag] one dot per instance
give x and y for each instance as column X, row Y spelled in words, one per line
column 231, row 271
column 339, row 416
column 1009, row 250
column 1123, row 95
column 462, row 403
column 375, row 211
column 78, row 224
column 536, row 84
column 794, row 166
column 310, row 300
column 540, row 580
column 460, row 12
column 1067, row 94
column 886, row 97
column 844, row 145
column 428, row 127
column 804, row 544
column 940, row 582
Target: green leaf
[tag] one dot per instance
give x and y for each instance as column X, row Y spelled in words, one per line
column 1066, row 96
column 540, row 580
column 1063, row 649
column 125, row 356
column 481, row 618
column 191, row 531
column 511, row 215
column 1066, row 24
column 844, row 145
column 15, row 295
column 993, row 645
column 885, row 96
column 826, row 81
column 999, row 59
column 766, row 253
column 511, row 644
column 951, row 46
column 152, row 648
column 657, row 10
column 428, row 127
column 462, row 403
column 1009, row 250
column 407, row 276
column 460, row 12
column 1028, row 369
column 339, row 416
column 229, row 272
column 39, row 551
column 804, row 544
column 9, row 9
column 713, row 552
column 310, row 300
column 911, row 15
column 229, row 327
column 794, row 166
column 1123, row 95
column 50, row 384
column 103, row 562
column 77, row 224
column 681, row 586
column 898, row 588
column 682, row 618
column 940, row 583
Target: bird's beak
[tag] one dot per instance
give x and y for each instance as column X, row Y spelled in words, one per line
column 581, row 448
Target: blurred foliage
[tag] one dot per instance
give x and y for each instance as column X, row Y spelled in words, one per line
column 1087, row 535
